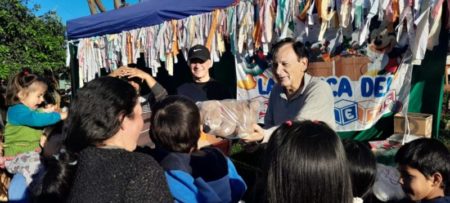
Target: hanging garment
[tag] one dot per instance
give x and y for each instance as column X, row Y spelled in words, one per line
column 345, row 13
column 420, row 43
column 365, row 30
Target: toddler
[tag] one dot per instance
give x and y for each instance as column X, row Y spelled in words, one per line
column 23, row 131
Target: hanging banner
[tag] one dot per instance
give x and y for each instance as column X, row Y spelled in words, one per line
column 254, row 79
column 361, row 96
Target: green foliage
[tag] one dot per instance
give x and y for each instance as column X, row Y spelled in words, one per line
column 26, row 40
column 444, row 134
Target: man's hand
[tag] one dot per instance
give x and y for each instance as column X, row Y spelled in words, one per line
column 256, row 136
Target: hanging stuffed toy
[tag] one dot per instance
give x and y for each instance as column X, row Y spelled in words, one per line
column 381, row 50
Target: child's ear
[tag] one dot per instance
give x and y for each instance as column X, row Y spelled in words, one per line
column 21, row 95
column 123, row 121
column 437, row 179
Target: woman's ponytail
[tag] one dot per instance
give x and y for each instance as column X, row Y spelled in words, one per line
column 54, row 183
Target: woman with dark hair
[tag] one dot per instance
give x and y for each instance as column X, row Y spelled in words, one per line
column 363, row 169
column 97, row 164
column 305, row 162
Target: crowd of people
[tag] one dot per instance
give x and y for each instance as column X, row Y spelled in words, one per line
column 94, row 156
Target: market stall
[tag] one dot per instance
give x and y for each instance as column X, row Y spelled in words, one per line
column 371, row 80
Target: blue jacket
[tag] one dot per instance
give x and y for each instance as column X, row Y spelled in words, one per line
column 202, row 176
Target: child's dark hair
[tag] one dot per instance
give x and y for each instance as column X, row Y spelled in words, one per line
column 21, row 82
column 306, row 162
column 363, row 168
column 427, row 156
column 95, row 115
column 175, row 124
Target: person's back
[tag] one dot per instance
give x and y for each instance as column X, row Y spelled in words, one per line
column 103, row 173
column 424, row 166
column 204, row 175
column 363, row 169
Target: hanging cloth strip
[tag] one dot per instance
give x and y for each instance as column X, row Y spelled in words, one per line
column 267, row 27
column 250, row 25
column 212, row 30
column 325, row 16
column 433, row 36
column 257, row 32
column 436, row 14
column 220, row 32
column 372, row 13
column 129, row 49
column 420, row 44
column 175, row 46
column 448, row 13
column 345, row 13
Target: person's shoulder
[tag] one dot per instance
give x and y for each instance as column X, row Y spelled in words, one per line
column 16, row 111
column 18, row 107
column 120, row 155
column 317, row 81
column 319, row 85
column 142, row 158
column 209, row 156
column 209, row 151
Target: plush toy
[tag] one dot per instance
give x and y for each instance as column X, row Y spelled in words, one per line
column 382, row 49
column 229, row 118
column 381, row 42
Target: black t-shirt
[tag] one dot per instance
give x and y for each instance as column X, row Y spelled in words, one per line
column 211, row 90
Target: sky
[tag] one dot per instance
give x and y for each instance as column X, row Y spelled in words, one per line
column 70, row 9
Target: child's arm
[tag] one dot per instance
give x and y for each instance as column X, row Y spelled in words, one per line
column 22, row 115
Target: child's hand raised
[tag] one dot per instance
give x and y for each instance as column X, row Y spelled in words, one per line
column 64, row 115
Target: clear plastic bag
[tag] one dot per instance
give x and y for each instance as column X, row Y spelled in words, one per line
column 229, row 118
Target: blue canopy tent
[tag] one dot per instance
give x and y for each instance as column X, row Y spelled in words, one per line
column 147, row 13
